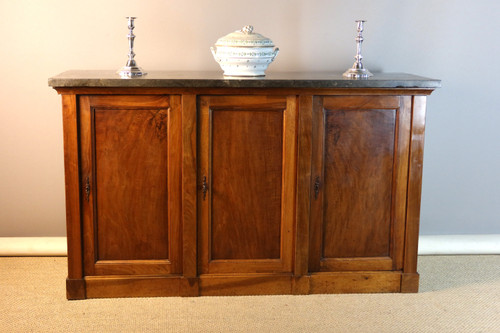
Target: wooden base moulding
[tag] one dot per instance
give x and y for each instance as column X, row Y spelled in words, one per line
column 241, row 285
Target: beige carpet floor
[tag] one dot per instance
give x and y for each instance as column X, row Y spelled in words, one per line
column 458, row 294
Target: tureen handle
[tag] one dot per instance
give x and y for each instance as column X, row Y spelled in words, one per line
column 213, row 53
column 247, row 29
column 276, row 51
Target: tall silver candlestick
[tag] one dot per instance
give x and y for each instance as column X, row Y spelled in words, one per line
column 357, row 71
column 131, row 69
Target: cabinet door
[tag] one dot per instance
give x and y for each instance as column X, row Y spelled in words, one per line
column 130, row 153
column 359, row 172
column 246, row 177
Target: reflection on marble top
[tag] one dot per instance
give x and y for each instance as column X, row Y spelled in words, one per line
column 186, row 79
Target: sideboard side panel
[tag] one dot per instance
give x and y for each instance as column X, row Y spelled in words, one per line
column 75, row 286
column 410, row 277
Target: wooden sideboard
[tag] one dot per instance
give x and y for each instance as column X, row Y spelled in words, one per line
column 187, row 184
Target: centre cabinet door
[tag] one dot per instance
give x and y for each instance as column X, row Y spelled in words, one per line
column 359, row 172
column 130, row 162
column 246, row 177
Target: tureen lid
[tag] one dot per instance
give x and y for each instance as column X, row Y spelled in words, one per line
column 244, row 37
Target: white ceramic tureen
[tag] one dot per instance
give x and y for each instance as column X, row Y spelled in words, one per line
column 244, row 53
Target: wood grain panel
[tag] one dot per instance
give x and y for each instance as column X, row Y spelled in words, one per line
column 132, row 101
column 133, row 267
column 414, row 183
column 75, row 289
column 174, row 182
column 248, row 284
column 72, row 187
column 304, row 159
column 87, row 176
column 400, row 181
column 131, row 150
column 247, row 153
column 289, row 189
column 355, row 282
column 75, row 286
column 359, row 157
column 357, row 102
column 317, row 184
column 247, row 265
column 189, row 187
column 409, row 282
column 357, row 264
column 129, row 286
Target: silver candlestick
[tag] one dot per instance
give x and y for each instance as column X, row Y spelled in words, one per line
column 131, row 69
column 357, row 71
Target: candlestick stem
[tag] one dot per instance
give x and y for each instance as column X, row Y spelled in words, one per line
column 131, row 69
column 357, row 71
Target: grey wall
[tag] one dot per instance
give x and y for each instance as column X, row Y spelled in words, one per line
column 456, row 41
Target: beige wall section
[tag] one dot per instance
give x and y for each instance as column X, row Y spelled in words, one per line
column 427, row 245
column 448, row 39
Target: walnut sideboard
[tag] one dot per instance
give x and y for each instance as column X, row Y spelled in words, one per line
column 189, row 183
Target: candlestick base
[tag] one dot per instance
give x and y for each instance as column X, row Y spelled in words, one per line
column 357, row 73
column 127, row 72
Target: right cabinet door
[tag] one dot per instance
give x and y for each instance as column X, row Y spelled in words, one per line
column 359, row 180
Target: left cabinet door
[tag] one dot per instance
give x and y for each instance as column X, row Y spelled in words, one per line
column 130, row 153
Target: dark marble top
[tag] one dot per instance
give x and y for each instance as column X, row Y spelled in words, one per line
column 165, row 79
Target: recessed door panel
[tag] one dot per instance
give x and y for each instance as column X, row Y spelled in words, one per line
column 131, row 150
column 358, row 168
column 247, row 171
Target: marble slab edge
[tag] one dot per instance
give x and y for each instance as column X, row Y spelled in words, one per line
column 216, row 80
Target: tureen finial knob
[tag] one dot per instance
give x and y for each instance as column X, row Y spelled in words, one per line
column 247, row 29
